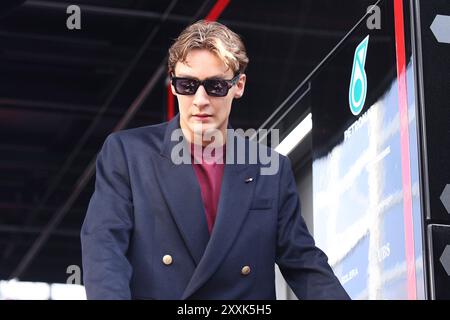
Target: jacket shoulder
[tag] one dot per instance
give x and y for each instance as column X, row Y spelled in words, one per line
column 268, row 158
column 139, row 138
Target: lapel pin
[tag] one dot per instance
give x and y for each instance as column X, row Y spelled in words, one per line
column 248, row 180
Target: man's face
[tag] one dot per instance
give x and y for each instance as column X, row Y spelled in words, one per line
column 201, row 112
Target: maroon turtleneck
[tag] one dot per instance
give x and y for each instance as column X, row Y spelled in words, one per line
column 209, row 172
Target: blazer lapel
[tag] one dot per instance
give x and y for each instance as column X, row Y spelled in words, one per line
column 182, row 194
column 234, row 203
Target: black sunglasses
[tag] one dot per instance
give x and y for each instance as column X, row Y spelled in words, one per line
column 213, row 87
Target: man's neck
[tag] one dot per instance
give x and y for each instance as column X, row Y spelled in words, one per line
column 198, row 139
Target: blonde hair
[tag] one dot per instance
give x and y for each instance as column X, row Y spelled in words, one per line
column 212, row 36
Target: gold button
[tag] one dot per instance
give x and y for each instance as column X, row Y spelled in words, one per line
column 245, row 270
column 167, row 259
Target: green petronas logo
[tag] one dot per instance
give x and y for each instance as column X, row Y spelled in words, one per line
column 358, row 83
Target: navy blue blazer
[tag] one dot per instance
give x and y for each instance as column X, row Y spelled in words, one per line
column 145, row 207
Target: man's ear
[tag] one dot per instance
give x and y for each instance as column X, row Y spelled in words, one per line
column 240, row 86
column 169, row 81
column 173, row 89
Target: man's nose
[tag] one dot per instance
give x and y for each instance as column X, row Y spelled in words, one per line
column 201, row 98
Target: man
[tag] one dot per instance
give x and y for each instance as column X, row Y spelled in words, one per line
column 158, row 228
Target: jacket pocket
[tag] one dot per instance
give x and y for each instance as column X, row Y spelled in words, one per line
column 261, row 203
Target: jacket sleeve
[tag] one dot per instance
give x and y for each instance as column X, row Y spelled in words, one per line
column 105, row 234
column 304, row 266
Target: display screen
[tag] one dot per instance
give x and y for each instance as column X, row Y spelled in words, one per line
column 366, row 194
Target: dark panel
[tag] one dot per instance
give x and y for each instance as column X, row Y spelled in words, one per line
column 439, row 237
column 436, row 96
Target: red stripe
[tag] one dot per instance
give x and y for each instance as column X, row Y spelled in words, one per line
column 213, row 15
column 217, row 10
column 404, row 142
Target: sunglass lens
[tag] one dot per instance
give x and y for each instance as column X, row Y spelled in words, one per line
column 217, row 88
column 186, row 86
